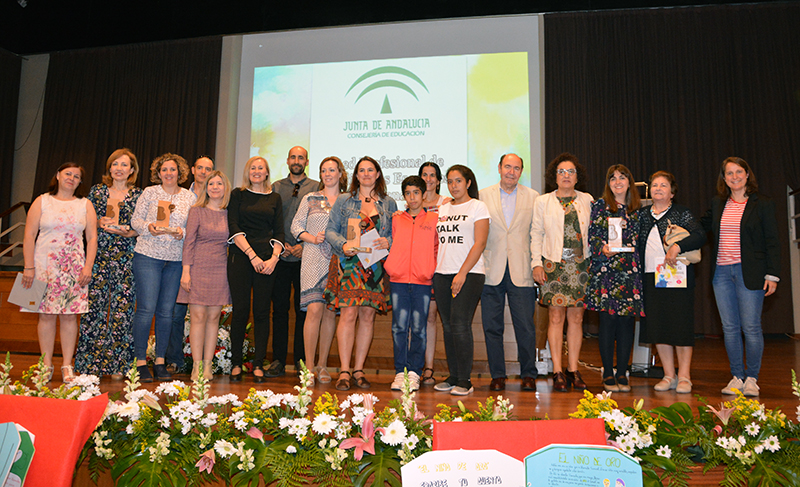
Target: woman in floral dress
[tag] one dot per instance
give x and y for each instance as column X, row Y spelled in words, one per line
column 615, row 286
column 61, row 218
column 559, row 253
column 105, row 343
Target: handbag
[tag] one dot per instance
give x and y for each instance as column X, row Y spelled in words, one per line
column 675, row 234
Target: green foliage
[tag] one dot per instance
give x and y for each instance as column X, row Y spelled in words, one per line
column 383, row 468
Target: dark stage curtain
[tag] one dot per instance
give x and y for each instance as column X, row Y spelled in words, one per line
column 151, row 98
column 10, row 69
column 681, row 89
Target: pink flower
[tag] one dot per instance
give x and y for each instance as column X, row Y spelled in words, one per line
column 256, row 433
column 724, row 414
column 718, row 430
column 206, row 461
column 364, row 442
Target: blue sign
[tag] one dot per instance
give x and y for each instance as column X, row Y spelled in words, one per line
column 581, row 465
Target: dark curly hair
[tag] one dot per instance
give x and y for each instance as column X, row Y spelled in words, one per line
column 550, row 173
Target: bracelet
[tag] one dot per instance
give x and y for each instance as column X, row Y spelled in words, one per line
column 253, row 257
column 28, row 268
column 245, row 250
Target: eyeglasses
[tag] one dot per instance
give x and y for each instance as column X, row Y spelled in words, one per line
column 564, row 172
column 296, row 190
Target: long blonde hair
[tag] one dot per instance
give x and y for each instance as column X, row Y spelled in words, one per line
column 246, row 184
column 203, row 199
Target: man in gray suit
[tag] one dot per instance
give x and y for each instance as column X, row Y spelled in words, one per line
column 508, row 273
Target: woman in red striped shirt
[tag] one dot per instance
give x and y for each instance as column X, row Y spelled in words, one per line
column 746, row 267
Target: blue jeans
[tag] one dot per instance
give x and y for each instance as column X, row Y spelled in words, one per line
column 410, row 303
column 740, row 311
column 157, row 287
column 520, row 303
column 175, row 348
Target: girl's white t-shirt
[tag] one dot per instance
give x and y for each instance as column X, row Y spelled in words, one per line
column 456, row 230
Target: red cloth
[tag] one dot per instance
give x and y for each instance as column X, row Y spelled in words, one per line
column 517, row 438
column 61, row 427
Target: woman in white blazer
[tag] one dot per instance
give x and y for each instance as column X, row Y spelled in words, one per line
column 560, row 261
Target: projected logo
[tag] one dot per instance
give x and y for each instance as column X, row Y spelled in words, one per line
column 387, row 78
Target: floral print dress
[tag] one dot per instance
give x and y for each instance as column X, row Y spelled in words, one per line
column 566, row 280
column 59, row 255
column 615, row 286
column 105, row 341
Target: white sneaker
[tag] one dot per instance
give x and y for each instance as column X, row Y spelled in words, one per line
column 397, row 383
column 461, row 391
column 413, row 378
column 735, row 383
column 443, row 387
column 750, row 387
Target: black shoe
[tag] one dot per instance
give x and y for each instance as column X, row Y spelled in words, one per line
column 258, row 379
column 160, row 372
column 144, row 373
column 236, row 377
column 276, row 369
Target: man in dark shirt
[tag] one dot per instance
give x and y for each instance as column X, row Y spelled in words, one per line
column 287, row 273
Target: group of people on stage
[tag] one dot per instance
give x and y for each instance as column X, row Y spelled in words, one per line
column 157, row 251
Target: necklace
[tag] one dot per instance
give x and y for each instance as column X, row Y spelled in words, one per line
column 655, row 213
column 367, row 199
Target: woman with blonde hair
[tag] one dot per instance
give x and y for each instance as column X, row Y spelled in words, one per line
column 204, row 281
column 105, row 342
column 255, row 224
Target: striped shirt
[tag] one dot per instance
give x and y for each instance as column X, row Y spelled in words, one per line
column 730, row 251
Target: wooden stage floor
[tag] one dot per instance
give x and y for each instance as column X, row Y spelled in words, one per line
column 710, row 373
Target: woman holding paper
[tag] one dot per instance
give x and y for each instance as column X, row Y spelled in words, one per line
column 560, row 261
column 309, row 225
column 669, row 311
column 615, row 286
column 160, row 221
column 61, row 218
column 364, row 212
column 105, row 343
column 204, row 280
column 746, row 267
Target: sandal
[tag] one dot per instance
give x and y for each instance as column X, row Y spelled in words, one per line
column 323, row 375
column 236, row 377
column 67, row 374
column 343, row 384
column 361, row 382
column 427, row 379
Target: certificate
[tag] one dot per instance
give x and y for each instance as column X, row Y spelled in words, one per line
column 374, row 255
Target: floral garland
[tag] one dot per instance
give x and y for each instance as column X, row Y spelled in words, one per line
column 180, row 435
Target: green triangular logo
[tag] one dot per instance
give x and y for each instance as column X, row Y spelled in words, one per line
column 387, row 108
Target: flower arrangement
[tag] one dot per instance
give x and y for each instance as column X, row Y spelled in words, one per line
column 179, row 435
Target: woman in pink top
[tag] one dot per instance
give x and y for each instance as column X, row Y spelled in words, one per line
column 746, row 267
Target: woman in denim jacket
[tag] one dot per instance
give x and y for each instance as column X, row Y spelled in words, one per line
column 356, row 291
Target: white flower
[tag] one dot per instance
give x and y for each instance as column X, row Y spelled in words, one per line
column 85, row 380
column 356, row 399
column 164, row 421
column 233, row 399
column 752, row 429
column 210, row 420
column 322, row 443
column 224, row 448
column 129, row 410
column 772, row 444
column 291, row 449
column 664, row 451
column 394, row 433
column 323, row 424
column 411, row 442
column 759, row 449
column 129, row 429
column 798, row 413
column 170, row 388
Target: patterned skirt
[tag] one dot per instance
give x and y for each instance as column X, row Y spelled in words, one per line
column 566, row 283
column 349, row 284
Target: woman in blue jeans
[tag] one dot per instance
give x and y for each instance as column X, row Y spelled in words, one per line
column 458, row 282
column 160, row 221
column 746, row 267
